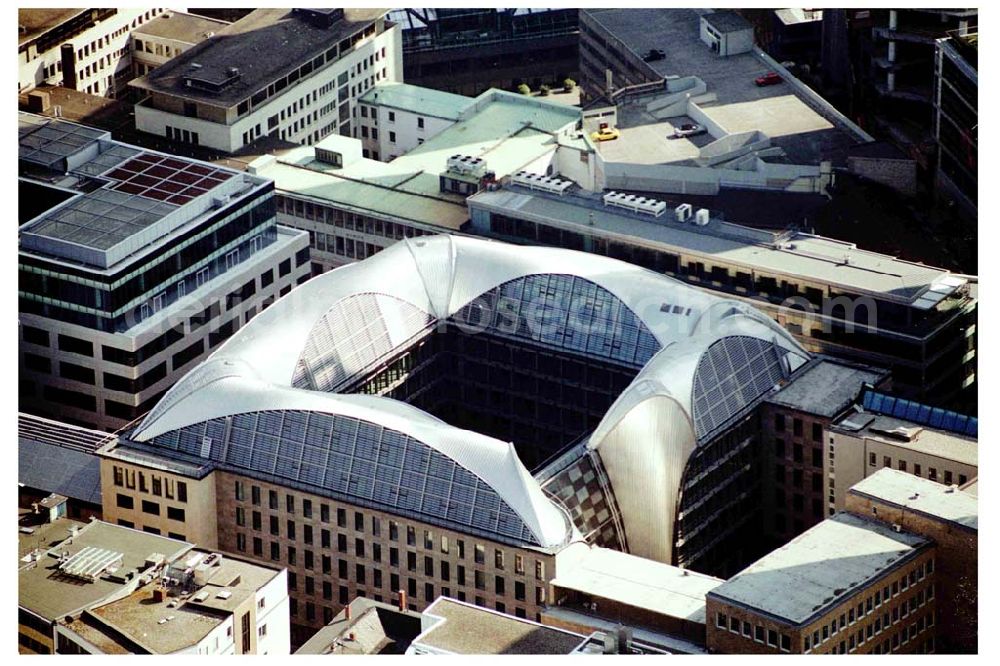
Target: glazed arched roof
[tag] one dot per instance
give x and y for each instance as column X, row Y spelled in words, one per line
column 626, row 314
column 680, row 399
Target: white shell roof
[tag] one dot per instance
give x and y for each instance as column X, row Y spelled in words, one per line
column 253, row 369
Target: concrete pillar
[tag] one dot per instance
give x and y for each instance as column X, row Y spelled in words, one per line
column 893, row 19
column 892, row 51
column 890, row 82
column 963, row 27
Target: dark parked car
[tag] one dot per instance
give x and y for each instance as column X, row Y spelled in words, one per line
column 769, row 79
column 654, row 54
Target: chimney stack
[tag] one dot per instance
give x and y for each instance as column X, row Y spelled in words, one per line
column 347, row 612
column 158, row 594
column 402, row 601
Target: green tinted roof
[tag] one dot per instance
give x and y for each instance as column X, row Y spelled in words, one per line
column 425, row 101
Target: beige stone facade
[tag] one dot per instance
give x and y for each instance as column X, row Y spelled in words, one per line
column 936, row 456
column 895, row 613
column 334, row 551
column 957, row 567
column 158, row 501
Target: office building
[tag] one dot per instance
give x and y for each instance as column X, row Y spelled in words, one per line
column 880, row 68
column 132, row 265
column 468, row 50
column 917, row 321
column 398, row 117
column 427, row 324
column 887, row 431
column 796, row 458
column 956, row 118
column 83, row 49
column 167, row 36
column 950, row 518
column 105, row 589
column 848, row 585
column 293, row 74
column 354, row 207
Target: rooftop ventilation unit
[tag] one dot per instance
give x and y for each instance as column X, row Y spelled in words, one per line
column 702, row 217
column 537, row 181
column 635, row 203
column 683, row 212
column 467, row 165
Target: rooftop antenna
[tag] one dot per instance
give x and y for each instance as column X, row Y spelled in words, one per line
column 590, row 220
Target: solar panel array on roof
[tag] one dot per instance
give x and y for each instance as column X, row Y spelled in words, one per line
column 733, row 373
column 563, row 311
column 935, row 417
column 349, row 458
column 166, row 178
column 49, row 142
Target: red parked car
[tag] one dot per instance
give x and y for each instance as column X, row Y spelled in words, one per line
column 769, row 79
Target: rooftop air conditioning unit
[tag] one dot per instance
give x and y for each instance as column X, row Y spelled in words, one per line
column 683, row 212
column 702, row 217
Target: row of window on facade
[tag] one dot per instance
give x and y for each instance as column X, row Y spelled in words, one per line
column 105, row 40
column 338, row 218
column 182, row 135
column 853, row 615
column 159, row 486
column 932, row 472
column 328, row 513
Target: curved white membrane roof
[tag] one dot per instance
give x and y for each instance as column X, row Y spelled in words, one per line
column 294, row 356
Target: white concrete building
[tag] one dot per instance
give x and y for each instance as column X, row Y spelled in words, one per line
column 118, row 590
column 167, row 36
column 293, row 74
column 397, row 117
column 133, row 266
column 83, row 49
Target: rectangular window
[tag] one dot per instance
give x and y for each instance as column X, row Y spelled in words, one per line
column 151, row 508
column 124, row 502
column 174, row 513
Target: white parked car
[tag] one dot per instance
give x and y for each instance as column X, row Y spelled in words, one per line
column 687, row 129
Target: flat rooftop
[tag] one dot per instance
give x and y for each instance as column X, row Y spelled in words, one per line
column 923, row 439
column 467, row 629
column 265, row 45
column 640, row 583
column 806, row 256
column 417, row 99
column 33, row 23
column 922, row 496
column 48, row 593
column 805, row 135
column 826, row 387
column 181, row 27
column 508, row 131
column 820, row 568
column 138, row 616
column 120, row 195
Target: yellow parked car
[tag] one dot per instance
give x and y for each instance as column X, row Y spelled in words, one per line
column 605, row 134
